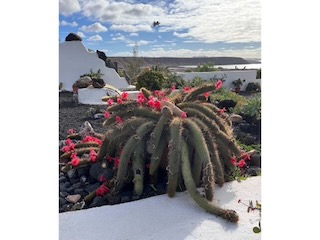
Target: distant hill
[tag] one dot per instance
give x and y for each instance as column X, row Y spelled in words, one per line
column 176, row 62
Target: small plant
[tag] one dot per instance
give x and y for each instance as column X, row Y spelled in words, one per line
column 93, row 74
column 253, row 87
column 251, row 208
column 196, row 82
column 238, row 83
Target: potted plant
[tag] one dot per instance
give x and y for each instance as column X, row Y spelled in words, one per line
column 237, row 84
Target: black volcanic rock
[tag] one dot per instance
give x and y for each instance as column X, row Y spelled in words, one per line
column 73, row 37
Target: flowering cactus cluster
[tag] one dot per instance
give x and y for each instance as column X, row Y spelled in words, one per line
column 177, row 131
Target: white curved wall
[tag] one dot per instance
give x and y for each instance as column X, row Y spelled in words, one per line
column 75, row 60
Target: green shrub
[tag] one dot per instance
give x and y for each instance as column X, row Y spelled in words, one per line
column 253, row 107
column 175, row 80
column 224, row 94
column 150, row 80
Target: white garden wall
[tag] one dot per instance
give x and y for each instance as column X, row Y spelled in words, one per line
column 228, row 76
column 75, row 60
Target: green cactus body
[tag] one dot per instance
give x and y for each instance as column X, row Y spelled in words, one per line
column 203, row 89
column 74, row 136
column 138, row 168
column 68, row 166
column 146, row 93
column 104, row 147
column 175, row 110
column 176, row 97
column 201, row 151
column 174, row 155
column 194, row 155
column 125, row 106
column 230, row 215
column 214, row 156
column 214, row 108
column 209, row 113
column 79, row 152
column 230, row 143
column 157, row 155
column 106, row 98
column 158, row 130
column 129, row 149
column 86, row 145
column 225, row 154
column 138, row 112
column 120, row 135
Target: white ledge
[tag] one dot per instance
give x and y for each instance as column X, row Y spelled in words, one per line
column 161, row 217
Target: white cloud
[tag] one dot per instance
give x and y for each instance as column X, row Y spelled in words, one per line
column 132, row 28
column 95, row 38
column 134, row 34
column 223, row 20
column 81, row 34
column 68, row 7
column 95, row 27
column 121, row 12
column 192, row 20
column 139, row 43
column 119, row 37
column 65, row 23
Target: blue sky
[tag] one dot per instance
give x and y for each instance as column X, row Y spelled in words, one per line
column 188, row 28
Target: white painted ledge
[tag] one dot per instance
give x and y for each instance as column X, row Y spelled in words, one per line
column 161, row 217
column 93, row 95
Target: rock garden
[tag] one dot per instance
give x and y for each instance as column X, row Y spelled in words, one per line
column 160, row 143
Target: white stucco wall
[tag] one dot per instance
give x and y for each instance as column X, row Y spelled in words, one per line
column 228, row 76
column 75, row 60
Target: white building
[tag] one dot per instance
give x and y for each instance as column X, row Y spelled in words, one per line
column 75, row 60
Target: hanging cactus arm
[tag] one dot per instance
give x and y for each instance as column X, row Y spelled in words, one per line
column 104, row 147
column 129, row 149
column 214, row 156
column 138, row 165
column 158, row 130
column 197, row 161
column 229, row 215
column 202, row 152
column 157, row 155
column 174, row 155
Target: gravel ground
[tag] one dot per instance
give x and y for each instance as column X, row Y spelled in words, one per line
column 72, row 115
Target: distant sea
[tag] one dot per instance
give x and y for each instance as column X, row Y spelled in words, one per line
column 233, row 66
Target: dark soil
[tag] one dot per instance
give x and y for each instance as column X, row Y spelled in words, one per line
column 72, row 115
